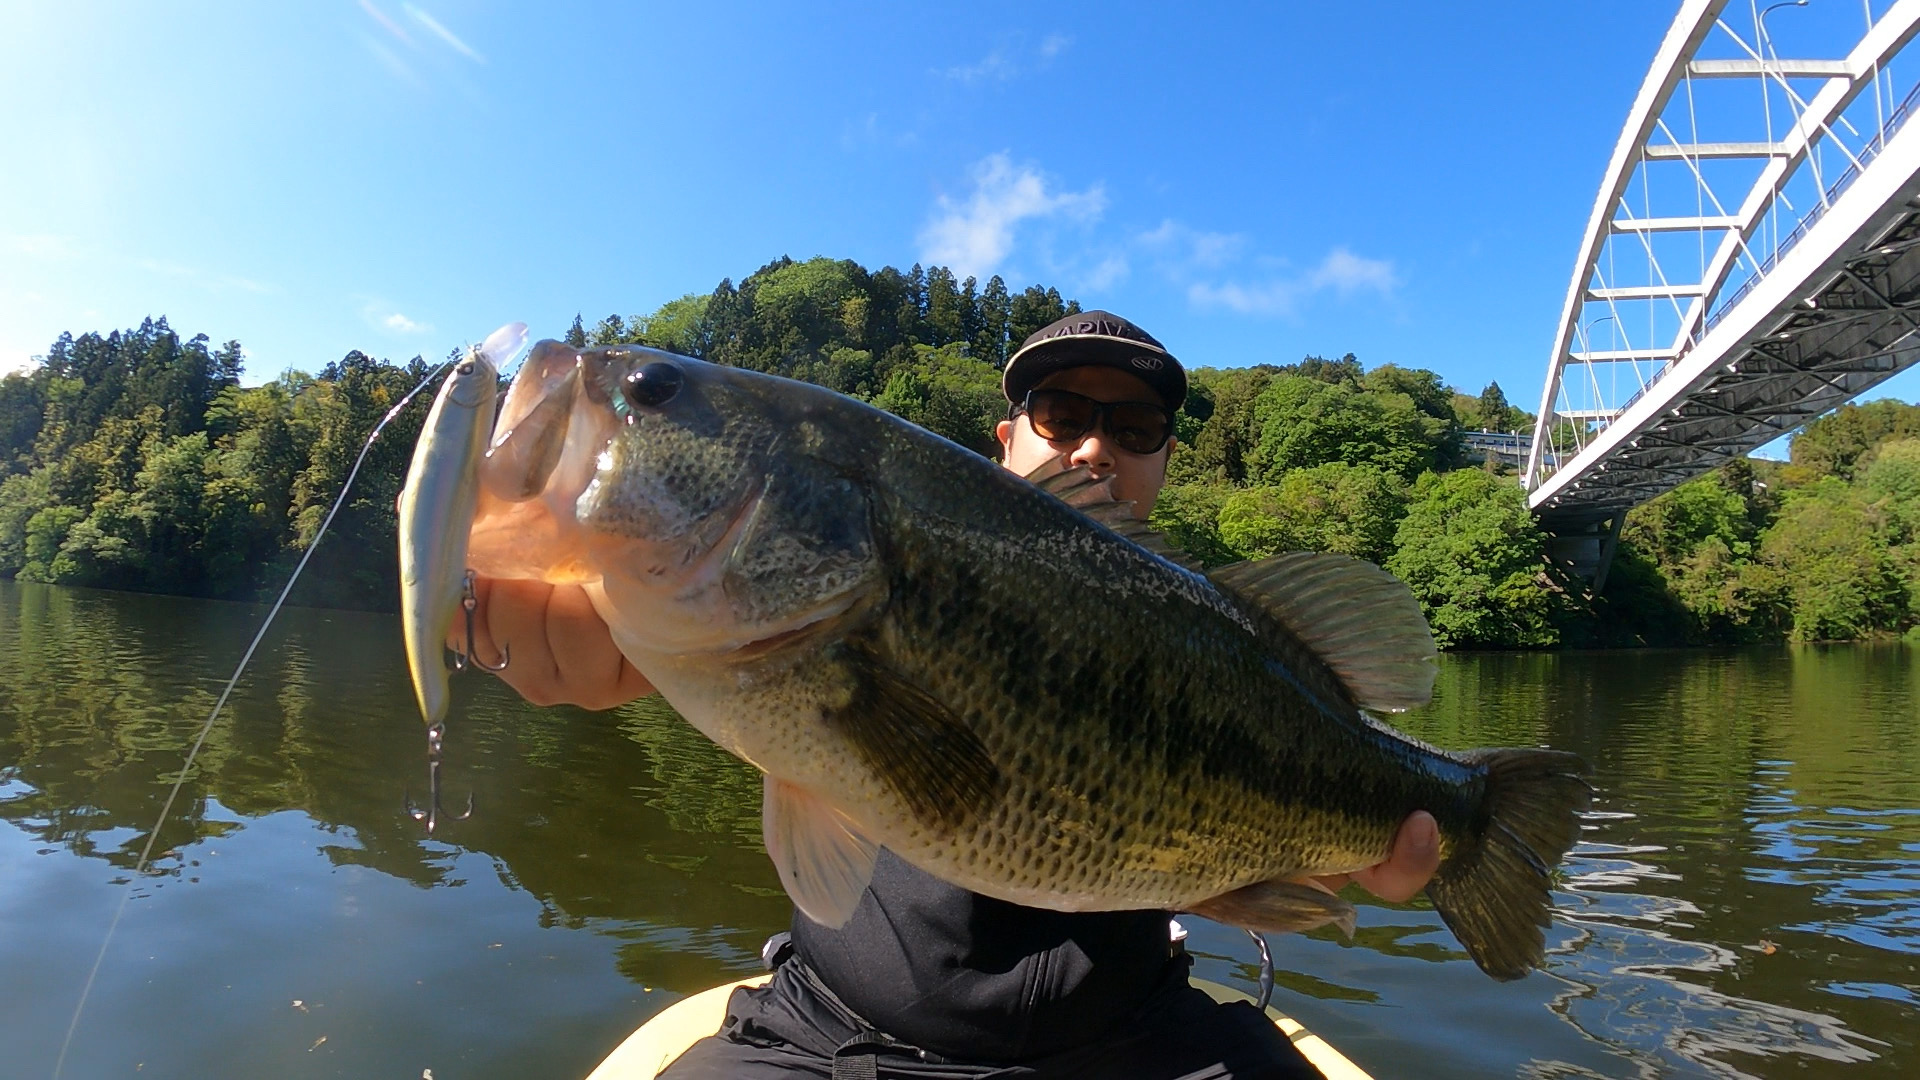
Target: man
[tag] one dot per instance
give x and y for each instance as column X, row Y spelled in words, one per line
column 927, row 979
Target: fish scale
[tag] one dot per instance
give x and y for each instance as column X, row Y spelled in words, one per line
column 1081, row 714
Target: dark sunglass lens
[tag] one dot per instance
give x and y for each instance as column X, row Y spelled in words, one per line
column 1139, row 429
column 1060, row 415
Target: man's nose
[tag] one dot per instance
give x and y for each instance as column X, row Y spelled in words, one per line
column 1094, row 452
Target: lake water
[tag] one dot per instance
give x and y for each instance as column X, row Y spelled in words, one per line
column 1746, row 901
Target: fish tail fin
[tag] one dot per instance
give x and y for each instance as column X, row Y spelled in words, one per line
column 1493, row 890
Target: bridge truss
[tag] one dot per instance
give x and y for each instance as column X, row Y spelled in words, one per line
column 1753, row 256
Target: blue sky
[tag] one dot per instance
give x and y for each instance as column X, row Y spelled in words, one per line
column 1406, row 182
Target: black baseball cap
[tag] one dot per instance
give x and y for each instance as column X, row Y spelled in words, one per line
column 1094, row 337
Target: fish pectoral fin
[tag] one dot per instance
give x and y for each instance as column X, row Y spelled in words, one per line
column 916, row 745
column 1279, row 907
column 1361, row 620
column 824, row 863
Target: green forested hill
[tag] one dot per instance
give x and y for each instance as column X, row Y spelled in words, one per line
column 135, row 460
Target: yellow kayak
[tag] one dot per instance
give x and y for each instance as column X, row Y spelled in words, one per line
column 665, row 1037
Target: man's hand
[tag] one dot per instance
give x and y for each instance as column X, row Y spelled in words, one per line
column 561, row 653
column 1410, row 864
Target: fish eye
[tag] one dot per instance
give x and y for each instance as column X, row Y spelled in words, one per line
column 654, row 385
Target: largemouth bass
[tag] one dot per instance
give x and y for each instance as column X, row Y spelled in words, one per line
column 1008, row 682
column 441, row 494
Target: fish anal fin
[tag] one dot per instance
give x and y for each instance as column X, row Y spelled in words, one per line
column 926, row 754
column 1362, row 621
column 824, row 863
column 1494, row 894
column 1279, row 906
column 1075, row 486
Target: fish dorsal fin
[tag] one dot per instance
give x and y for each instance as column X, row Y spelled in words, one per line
column 824, row 862
column 1075, row 486
column 1361, row 620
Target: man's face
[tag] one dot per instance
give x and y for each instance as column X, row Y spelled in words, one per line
column 1135, row 476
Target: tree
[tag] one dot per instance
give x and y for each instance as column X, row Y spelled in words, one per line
column 44, row 533
column 995, row 315
column 1890, row 477
column 1670, row 527
column 1188, row 514
column 1832, row 444
column 951, row 394
column 678, row 326
column 1305, row 422
column 1220, row 451
column 1344, row 371
column 611, row 330
column 944, row 322
column 1350, row 509
column 1472, row 552
column 23, row 407
column 21, row 497
column 1826, row 564
column 1034, row 309
column 1494, row 410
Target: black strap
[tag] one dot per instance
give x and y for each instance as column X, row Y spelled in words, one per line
column 864, row 1063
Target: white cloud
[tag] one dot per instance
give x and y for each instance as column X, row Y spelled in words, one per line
column 1272, row 298
column 1208, row 250
column 1341, row 271
column 401, row 324
column 868, row 131
column 1007, row 61
column 49, row 248
column 996, row 67
column 975, row 235
column 210, row 281
column 1110, row 272
column 1347, row 273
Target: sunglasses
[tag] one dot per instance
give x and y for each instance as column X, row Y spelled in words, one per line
column 1064, row 416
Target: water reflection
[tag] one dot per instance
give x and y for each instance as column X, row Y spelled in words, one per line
column 1745, row 902
column 1716, row 913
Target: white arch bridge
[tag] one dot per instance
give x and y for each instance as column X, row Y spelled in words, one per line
column 1752, row 259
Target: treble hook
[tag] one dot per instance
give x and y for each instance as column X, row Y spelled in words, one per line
column 468, row 602
column 1266, row 967
column 437, row 733
column 431, row 814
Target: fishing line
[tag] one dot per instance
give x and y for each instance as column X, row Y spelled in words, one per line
column 206, row 729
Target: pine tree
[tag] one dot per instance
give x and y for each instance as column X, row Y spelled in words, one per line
column 993, row 317
column 1032, row 309
column 1494, row 410
column 944, row 320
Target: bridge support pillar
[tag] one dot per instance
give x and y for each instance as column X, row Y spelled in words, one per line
column 1586, row 551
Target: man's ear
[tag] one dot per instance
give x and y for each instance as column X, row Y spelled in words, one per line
column 1004, row 432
